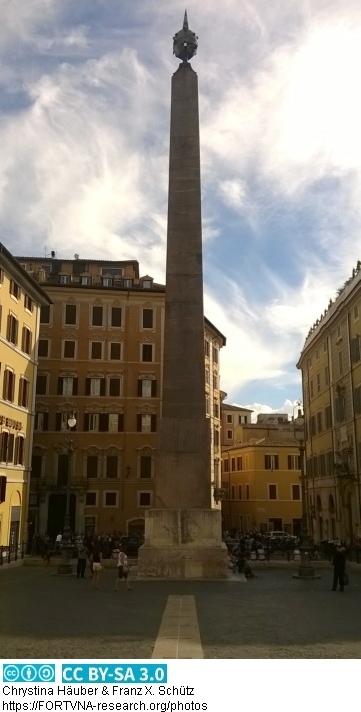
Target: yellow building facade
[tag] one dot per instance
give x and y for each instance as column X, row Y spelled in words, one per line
column 331, row 379
column 20, row 302
column 100, row 360
column 262, row 486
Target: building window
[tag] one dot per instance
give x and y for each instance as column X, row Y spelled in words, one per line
column 146, row 423
column 115, row 422
column 36, row 466
column 7, row 447
column 15, row 290
column 318, row 382
column 92, row 466
column 43, row 348
column 112, row 271
column 147, row 352
column 28, row 303
column 97, row 316
column 296, row 492
column 327, row 376
column 96, row 350
column 91, row 499
column 207, row 377
column 12, row 329
column 229, row 418
column 355, row 349
column 19, row 450
column 145, row 471
column 41, row 421
column 144, row 499
column 115, row 351
column 229, row 434
column 216, row 409
column 95, row 386
column 355, row 312
column 207, row 405
column 24, row 387
column 70, row 314
column 215, row 381
column 311, row 388
column 146, row 283
column 340, row 409
column 215, row 354
column 9, row 385
column 239, row 463
column 41, row 384
column 114, row 386
column 69, row 349
column 107, row 281
column 61, row 421
column 116, row 316
column 328, row 416
column 271, row 462
column 91, row 422
column 64, row 279
column 111, row 467
column 67, row 386
column 26, row 340
column 147, row 387
column 247, row 491
column 294, row 462
column 225, row 465
column 147, row 321
column 110, row 499
column 45, row 314
column 319, row 422
column 233, row 464
column 239, row 491
column 272, row 491
column 85, row 280
column 207, row 348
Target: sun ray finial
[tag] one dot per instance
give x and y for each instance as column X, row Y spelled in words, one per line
column 185, row 42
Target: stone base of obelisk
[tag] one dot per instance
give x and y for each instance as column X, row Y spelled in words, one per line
column 183, row 544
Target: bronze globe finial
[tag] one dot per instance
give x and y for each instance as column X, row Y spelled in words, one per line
column 185, row 42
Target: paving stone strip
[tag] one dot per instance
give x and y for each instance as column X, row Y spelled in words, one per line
column 178, row 635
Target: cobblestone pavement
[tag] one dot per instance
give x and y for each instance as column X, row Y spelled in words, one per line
column 272, row 616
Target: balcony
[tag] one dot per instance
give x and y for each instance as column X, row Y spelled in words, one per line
column 48, row 484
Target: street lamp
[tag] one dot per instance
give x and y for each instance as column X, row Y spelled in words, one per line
column 306, row 570
column 65, row 566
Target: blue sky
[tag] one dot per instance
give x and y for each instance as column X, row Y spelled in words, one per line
column 84, row 130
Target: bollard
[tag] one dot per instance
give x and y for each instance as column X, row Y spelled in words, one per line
column 261, row 556
column 297, row 555
column 253, row 556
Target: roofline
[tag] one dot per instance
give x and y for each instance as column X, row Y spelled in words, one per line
column 216, row 330
column 24, row 276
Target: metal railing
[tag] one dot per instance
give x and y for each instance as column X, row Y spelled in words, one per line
column 11, row 553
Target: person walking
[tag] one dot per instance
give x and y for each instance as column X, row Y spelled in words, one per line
column 97, row 564
column 82, row 556
column 339, row 565
column 123, row 570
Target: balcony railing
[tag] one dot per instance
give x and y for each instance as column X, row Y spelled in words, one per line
column 79, row 484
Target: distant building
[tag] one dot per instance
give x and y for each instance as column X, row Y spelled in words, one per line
column 100, row 359
column 232, row 417
column 330, row 362
column 261, row 484
column 20, row 302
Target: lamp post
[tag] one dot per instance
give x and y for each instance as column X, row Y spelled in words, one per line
column 306, row 570
column 65, row 566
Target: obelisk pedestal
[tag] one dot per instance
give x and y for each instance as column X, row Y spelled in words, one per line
column 183, row 533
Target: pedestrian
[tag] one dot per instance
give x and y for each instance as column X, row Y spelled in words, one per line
column 82, row 556
column 123, row 570
column 58, row 541
column 339, row 565
column 96, row 559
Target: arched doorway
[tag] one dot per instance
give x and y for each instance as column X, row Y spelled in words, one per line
column 56, row 514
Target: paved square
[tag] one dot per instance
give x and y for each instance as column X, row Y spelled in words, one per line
column 272, row 616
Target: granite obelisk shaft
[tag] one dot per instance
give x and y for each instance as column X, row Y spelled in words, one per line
column 183, row 472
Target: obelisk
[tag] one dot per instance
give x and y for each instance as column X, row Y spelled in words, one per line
column 183, row 533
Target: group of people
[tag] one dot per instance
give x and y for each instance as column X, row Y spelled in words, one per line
column 90, row 548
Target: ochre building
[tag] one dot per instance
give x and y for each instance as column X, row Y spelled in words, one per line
column 261, row 485
column 100, row 360
column 20, row 302
column 331, row 379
